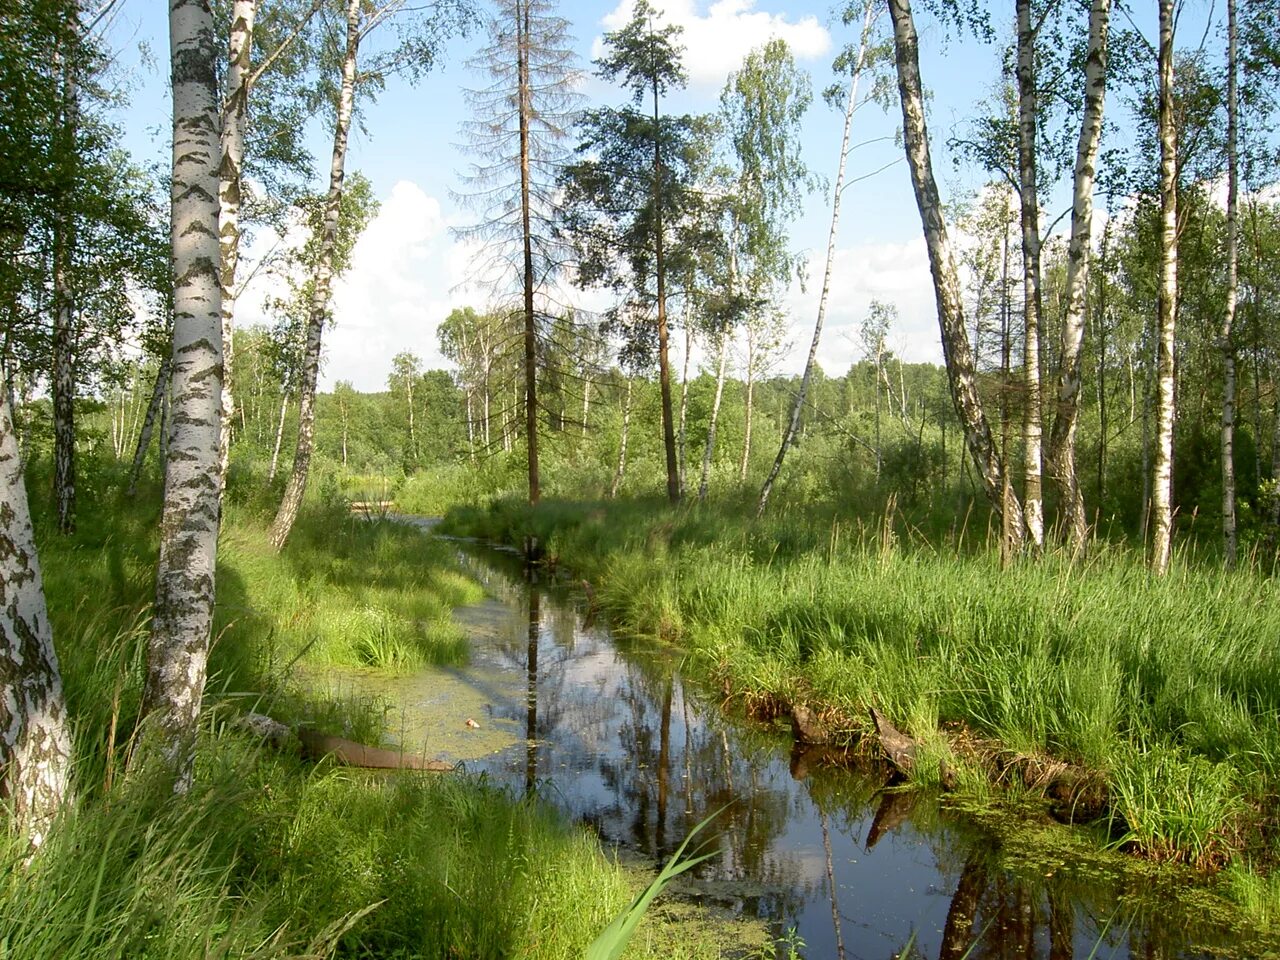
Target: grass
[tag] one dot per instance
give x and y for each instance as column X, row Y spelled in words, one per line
column 269, row 856
column 1164, row 688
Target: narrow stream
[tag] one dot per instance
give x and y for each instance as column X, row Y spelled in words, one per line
column 606, row 730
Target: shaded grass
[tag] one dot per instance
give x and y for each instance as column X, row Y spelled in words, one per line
column 1165, row 687
column 267, row 856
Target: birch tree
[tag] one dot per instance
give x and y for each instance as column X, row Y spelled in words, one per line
column 956, row 351
column 183, row 617
column 414, row 52
column 1229, row 312
column 1062, row 440
column 857, row 64
column 1162, row 470
column 35, row 735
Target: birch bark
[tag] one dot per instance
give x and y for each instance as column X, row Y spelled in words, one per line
column 622, row 446
column 1033, row 507
column 64, row 384
column 183, row 618
column 957, row 353
column 1229, row 314
column 322, row 279
column 1162, row 480
column 234, row 109
column 149, row 423
column 793, row 422
column 35, row 737
column 709, row 450
column 1062, row 438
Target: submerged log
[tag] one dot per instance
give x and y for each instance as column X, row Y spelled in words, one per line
column 317, row 746
column 806, row 727
column 902, row 751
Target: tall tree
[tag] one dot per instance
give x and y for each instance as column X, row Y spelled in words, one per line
column 1162, row 478
column 956, row 351
column 35, row 742
column 1062, row 440
column 1032, row 303
column 1229, row 312
column 856, row 63
column 518, row 136
column 183, row 618
column 647, row 61
column 422, row 30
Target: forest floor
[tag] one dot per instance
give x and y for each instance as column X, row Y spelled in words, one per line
column 270, row 855
column 1145, row 708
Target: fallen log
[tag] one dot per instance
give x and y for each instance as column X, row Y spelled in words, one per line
column 319, row 746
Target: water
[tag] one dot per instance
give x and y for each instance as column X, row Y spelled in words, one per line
column 610, row 733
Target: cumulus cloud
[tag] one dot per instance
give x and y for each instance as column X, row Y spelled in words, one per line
column 717, row 40
column 896, row 273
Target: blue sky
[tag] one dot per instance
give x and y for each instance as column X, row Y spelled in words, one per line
column 407, row 269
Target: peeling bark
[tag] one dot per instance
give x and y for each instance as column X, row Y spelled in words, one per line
column 234, row 111
column 35, row 736
column 183, row 619
column 1162, row 481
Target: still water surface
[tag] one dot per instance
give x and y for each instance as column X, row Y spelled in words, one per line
column 607, row 730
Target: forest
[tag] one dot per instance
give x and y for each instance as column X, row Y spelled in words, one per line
column 655, row 577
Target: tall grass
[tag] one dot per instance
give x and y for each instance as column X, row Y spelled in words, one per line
column 1166, row 688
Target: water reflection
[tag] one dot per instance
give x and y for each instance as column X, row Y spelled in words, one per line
column 614, row 737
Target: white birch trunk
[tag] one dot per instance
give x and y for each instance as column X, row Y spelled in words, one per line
column 710, row 448
column 956, row 350
column 35, row 736
column 275, row 450
column 1062, row 439
column 684, row 394
column 1229, row 314
column 234, row 110
column 183, row 618
column 322, row 279
column 154, row 409
column 622, row 446
column 793, row 422
column 64, row 384
column 750, row 402
column 1162, row 479
column 1032, row 505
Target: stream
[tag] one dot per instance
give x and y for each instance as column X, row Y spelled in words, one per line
column 605, row 729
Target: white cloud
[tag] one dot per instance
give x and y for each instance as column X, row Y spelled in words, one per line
column 395, row 293
column 897, row 273
column 717, row 41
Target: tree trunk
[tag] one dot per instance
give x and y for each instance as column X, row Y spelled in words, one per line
column 35, row 736
column 1162, row 481
column 275, row 450
column 750, row 402
column 183, row 618
column 622, row 446
column 1032, row 306
column 1228, row 320
column 709, row 450
column 319, row 313
column 793, row 422
column 1062, row 438
column 684, row 394
column 660, row 267
column 154, row 409
column 961, row 370
column 234, row 109
column 530, row 320
column 63, row 380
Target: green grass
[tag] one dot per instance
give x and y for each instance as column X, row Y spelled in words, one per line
column 1168, row 688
